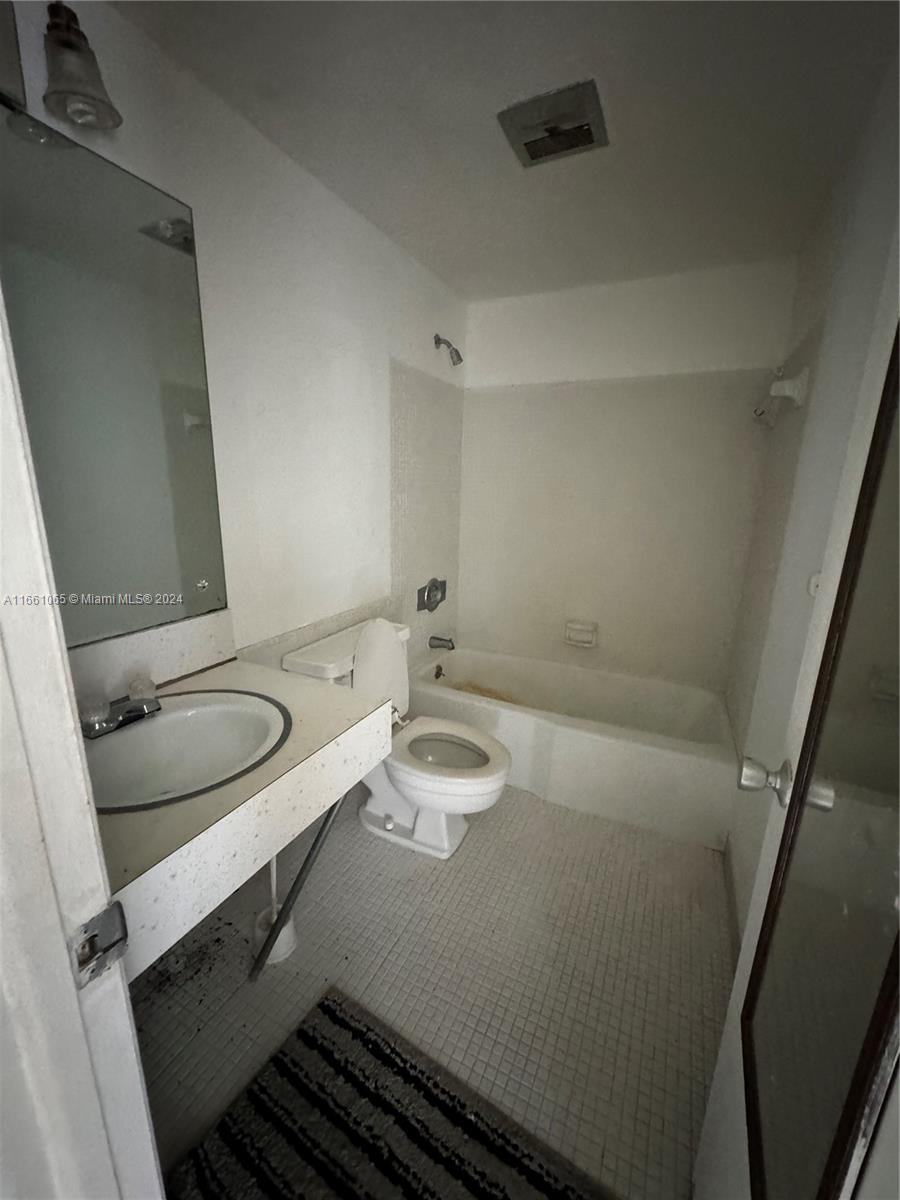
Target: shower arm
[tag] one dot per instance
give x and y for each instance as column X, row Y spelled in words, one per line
column 455, row 357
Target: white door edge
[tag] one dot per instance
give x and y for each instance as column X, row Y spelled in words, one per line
column 95, row 1071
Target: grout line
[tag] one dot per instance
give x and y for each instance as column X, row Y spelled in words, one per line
column 574, row 970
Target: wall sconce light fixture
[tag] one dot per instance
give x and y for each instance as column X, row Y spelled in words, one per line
column 75, row 90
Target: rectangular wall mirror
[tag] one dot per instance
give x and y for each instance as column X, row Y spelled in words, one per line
column 99, row 277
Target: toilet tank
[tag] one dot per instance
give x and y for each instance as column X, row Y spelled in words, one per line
column 331, row 658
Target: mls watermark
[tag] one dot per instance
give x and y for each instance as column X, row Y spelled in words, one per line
column 71, row 599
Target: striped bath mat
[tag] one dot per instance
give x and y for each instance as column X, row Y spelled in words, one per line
column 346, row 1108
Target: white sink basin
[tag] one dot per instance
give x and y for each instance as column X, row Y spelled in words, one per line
column 196, row 742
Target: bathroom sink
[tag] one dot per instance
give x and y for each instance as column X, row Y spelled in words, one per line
column 196, row 742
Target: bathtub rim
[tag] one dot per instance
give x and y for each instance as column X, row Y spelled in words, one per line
column 725, row 750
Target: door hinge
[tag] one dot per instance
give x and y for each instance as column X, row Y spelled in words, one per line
column 98, row 943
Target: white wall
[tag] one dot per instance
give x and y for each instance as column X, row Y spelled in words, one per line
column 729, row 319
column 625, row 502
column 814, row 275
column 304, row 304
column 780, row 452
column 426, row 457
column 860, row 320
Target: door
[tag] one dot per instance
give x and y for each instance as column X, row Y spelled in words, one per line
column 819, row 1022
column 76, row 1120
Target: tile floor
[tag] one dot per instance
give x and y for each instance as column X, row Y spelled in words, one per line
column 573, row 970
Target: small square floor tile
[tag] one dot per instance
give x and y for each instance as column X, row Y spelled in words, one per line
column 574, row 970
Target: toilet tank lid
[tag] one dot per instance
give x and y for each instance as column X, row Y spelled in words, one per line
column 332, row 657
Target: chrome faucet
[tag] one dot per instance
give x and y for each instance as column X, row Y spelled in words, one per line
column 103, row 716
column 441, row 643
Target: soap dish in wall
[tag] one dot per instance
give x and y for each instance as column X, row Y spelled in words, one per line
column 582, row 633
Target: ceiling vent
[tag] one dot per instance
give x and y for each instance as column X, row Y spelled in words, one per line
column 567, row 121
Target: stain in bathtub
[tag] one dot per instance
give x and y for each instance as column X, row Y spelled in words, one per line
column 478, row 689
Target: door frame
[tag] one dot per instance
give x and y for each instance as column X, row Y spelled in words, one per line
column 83, row 1117
column 878, row 1055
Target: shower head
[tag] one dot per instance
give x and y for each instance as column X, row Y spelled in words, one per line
column 455, row 356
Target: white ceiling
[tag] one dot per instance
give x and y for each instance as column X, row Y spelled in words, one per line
column 728, row 122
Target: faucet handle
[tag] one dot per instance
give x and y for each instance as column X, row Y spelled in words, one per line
column 94, row 707
column 141, row 687
column 93, row 712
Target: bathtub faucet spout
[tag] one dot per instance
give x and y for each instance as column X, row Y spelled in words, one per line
column 441, row 643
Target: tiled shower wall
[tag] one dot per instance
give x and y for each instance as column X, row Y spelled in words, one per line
column 426, row 460
column 626, row 502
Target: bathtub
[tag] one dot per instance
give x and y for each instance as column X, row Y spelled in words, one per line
column 644, row 751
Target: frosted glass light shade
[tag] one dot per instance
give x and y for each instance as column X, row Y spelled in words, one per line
column 75, row 90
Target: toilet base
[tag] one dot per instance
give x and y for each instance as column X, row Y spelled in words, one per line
column 435, row 833
column 389, row 815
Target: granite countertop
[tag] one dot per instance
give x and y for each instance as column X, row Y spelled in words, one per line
column 133, row 842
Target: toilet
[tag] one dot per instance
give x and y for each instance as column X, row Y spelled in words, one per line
column 437, row 771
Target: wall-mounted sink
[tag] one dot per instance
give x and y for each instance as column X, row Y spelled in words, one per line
column 196, row 742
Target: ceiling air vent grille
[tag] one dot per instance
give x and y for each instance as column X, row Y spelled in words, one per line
column 567, row 121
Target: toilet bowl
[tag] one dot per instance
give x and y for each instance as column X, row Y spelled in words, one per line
column 437, row 771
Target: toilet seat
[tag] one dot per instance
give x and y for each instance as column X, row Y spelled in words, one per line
column 470, row 788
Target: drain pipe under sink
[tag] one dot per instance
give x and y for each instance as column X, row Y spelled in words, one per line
column 290, row 899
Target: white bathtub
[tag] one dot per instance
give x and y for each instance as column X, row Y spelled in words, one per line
column 644, row 751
